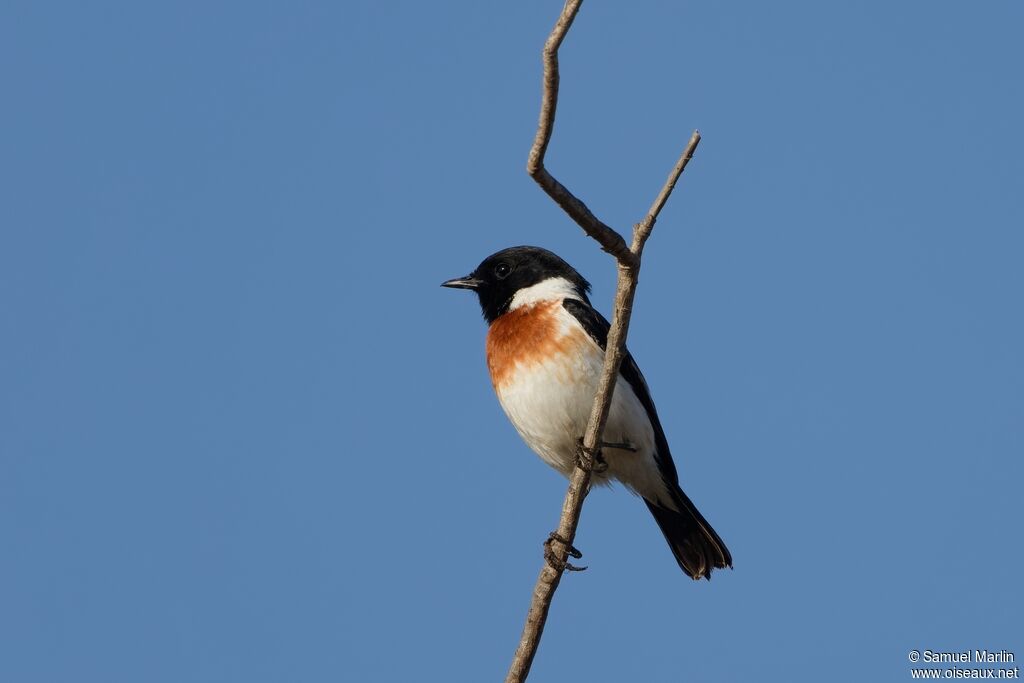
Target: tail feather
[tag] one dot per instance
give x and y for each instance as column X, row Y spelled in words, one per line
column 696, row 546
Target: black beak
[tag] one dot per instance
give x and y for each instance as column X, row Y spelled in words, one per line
column 468, row 282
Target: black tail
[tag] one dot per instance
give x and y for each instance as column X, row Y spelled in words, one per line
column 697, row 547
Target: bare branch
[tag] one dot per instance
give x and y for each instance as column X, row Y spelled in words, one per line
column 559, row 545
column 642, row 230
column 610, row 240
column 549, row 99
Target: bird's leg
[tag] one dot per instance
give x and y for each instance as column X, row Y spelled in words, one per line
column 556, row 562
column 623, row 446
column 590, row 460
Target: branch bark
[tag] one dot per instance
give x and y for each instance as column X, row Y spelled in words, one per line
column 628, row 266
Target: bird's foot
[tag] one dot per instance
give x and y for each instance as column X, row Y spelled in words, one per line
column 590, row 460
column 557, row 563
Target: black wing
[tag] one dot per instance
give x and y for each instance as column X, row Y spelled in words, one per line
column 696, row 546
column 597, row 327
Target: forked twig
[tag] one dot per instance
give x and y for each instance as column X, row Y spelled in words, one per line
column 628, row 261
column 610, row 240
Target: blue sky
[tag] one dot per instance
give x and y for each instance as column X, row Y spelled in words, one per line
column 244, row 435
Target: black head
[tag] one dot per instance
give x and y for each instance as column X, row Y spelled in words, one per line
column 501, row 275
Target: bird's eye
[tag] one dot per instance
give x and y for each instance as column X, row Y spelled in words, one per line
column 502, row 270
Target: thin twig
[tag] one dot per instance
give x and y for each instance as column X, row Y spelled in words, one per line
column 628, row 263
column 642, row 230
column 610, row 240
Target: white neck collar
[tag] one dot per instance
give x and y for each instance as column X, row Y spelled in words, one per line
column 552, row 289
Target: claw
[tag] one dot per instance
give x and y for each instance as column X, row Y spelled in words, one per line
column 623, row 446
column 556, row 562
column 594, row 463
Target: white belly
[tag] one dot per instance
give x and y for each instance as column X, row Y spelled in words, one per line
column 549, row 404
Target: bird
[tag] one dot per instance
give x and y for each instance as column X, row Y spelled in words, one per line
column 545, row 353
